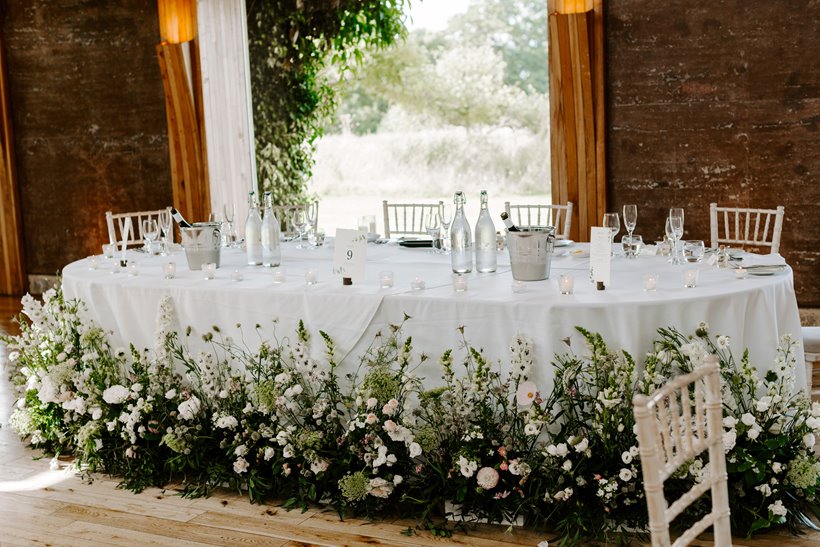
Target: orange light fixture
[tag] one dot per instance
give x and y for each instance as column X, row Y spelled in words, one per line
column 573, row 6
column 177, row 20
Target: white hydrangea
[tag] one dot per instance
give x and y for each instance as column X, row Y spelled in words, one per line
column 226, row 422
column 778, row 509
column 116, row 394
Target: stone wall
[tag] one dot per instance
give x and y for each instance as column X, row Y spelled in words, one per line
column 89, row 120
column 717, row 101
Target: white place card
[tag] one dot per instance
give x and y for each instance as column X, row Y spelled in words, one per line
column 350, row 254
column 600, row 254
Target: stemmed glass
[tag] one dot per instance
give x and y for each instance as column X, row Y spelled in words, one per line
column 312, row 215
column 630, row 218
column 299, row 221
column 676, row 229
column 432, row 223
column 612, row 222
column 446, row 216
column 229, row 213
column 165, row 226
column 150, row 231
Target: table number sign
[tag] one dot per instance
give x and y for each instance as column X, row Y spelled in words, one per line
column 600, row 255
column 350, row 254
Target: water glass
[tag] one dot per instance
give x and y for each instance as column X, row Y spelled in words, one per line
column 632, row 245
column 316, row 238
column 693, row 250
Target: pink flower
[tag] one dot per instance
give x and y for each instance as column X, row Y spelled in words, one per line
column 503, row 466
column 502, row 451
column 487, row 478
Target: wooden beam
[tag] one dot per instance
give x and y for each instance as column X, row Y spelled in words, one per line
column 12, row 259
column 191, row 193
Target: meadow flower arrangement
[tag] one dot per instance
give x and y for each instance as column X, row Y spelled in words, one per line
column 279, row 422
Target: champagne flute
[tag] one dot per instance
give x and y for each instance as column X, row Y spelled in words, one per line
column 229, row 213
column 150, row 230
column 432, row 223
column 312, row 215
column 676, row 226
column 630, row 218
column 299, row 221
column 165, row 226
column 446, row 216
column 613, row 222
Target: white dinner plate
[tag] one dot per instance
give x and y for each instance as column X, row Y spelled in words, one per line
column 371, row 237
column 563, row 242
column 765, row 270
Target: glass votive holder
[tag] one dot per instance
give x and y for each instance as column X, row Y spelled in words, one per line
column 690, row 278
column 741, row 273
column 386, row 279
column 236, row 275
column 650, row 282
column 133, row 268
column 566, row 283
column 209, row 270
column 459, row 282
column 116, row 267
column 108, row 250
column 170, row 270
column 93, row 262
column 279, row 275
column 518, row 287
column 316, row 238
column 311, row 276
column 417, row 284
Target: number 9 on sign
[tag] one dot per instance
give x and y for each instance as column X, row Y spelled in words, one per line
column 349, row 254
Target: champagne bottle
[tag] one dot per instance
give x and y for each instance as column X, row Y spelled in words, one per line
column 179, row 219
column 461, row 244
column 485, row 243
column 271, row 253
column 509, row 223
column 253, row 232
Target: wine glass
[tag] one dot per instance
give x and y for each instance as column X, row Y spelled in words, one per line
column 630, row 218
column 613, row 222
column 229, row 213
column 313, row 215
column 676, row 227
column 446, row 217
column 165, row 226
column 432, row 223
column 299, row 221
column 150, row 231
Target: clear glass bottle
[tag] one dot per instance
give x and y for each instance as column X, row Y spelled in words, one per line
column 271, row 253
column 461, row 244
column 253, row 232
column 486, row 258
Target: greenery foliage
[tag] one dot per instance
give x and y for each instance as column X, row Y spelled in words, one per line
column 279, row 423
column 291, row 43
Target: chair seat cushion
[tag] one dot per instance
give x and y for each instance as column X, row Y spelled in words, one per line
column 811, row 339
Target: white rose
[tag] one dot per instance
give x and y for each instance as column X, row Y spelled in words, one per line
column 415, row 449
column 561, row 450
column 170, row 394
column 729, row 422
column 240, row 465
column 748, row 419
column 269, row 453
column 372, row 402
column 626, row 457
column 226, row 422
column 487, row 478
column 753, row 433
column 763, row 404
column 625, row 474
column 808, row 440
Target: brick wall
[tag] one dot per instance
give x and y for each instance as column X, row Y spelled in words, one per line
column 717, row 101
column 89, row 120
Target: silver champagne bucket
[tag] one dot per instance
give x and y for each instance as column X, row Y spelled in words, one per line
column 531, row 252
column 202, row 244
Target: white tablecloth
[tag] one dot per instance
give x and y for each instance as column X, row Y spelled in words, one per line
column 754, row 312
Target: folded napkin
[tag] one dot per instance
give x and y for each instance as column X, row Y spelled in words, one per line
column 749, row 260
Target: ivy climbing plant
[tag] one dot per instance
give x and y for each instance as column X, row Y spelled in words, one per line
column 292, row 44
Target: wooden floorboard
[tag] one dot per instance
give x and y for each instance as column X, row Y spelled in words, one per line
column 70, row 512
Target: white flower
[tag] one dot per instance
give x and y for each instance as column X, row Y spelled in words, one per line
column 319, row 466
column 544, row 543
column 226, row 422
column 380, row 488
column 764, row 489
column 723, row 342
column 415, row 449
column 753, row 433
column 115, row 394
column 561, row 450
column 748, row 419
column 370, row 419
column 531, row 429
column 626, row 457
column 808, row 440
column 269, row 453
column 240, row 465
column 136, row 388
column 763, row 404
column 390, row 408
column 96, row 413
column 778, row 509
column 582, row 445
column 171, row 393
column 397, row 480
column 190, row 408
column 466, row 467
column 567, row 466
column 487, row 478
column 372, row 402
column 625, row 474
column 777, row 467
column 526, row 393
column 729, row 440
column 240, row 450
column 729, row 422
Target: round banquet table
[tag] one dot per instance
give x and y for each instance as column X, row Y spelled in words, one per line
column 754, row 312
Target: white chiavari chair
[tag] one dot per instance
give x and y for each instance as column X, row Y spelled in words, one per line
column 407, row 218
column 559, row 216
column 117, row 221
column 675, row 424
column 739, row 226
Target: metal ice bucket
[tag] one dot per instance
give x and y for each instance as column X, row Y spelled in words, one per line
column 531, row 252
column 202, row 243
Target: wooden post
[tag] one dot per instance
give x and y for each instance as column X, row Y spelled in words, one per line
column 12, row 259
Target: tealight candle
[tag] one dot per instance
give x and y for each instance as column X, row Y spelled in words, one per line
column 209, row 270
column 650, row 282
column 518, row 286
column 108, row 250
column 311, row 276
column 92, row 263
column 170, row 270
column 279, row 275
column 417, row 284
column 459, row 282
column 566, row 283
column 133, row 268
column 741, row 273
column 236, row 275
column 116, row 268
column 690, row 278
column 386, row 279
